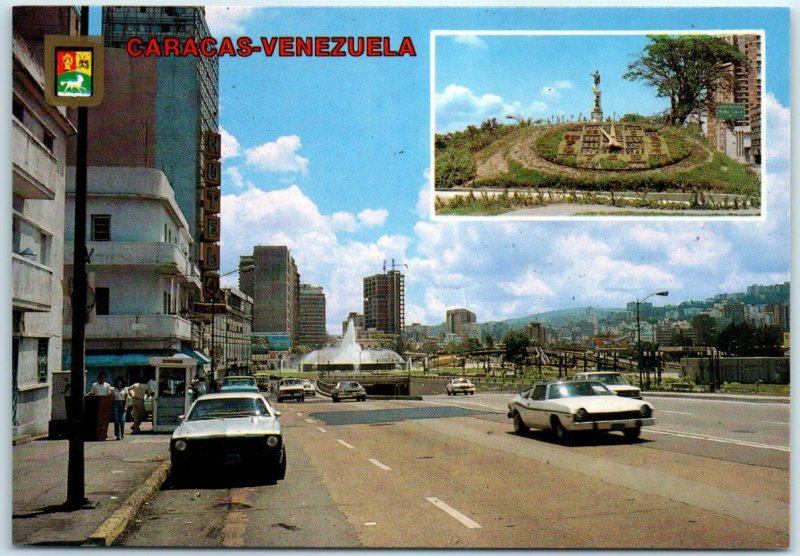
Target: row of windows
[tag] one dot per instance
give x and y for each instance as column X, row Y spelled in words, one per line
column 101, row 229
column 32, row 124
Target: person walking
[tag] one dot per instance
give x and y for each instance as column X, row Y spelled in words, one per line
column 137, row 393
column 120, row 394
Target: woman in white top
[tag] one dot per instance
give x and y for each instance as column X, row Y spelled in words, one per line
column 120, row 394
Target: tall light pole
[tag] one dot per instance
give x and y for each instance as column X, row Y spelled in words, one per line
column 639, row 332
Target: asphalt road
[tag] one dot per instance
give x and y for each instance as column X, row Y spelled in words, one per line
column 449, row 473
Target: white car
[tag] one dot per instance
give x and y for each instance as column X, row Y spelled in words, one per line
column 236, row 429
column 290, row 389
column 308, row 387
column 348, row 390
column 460, row 386
column 564, row 407
column 614, row 381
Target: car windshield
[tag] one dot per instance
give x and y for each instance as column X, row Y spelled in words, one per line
column 613, row 378
column 350, row 385
column 575, row 389
column 239, row 381
column 290, row 382
column 460, row 381
column 227, row 408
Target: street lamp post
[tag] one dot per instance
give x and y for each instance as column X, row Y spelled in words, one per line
column 639, row 335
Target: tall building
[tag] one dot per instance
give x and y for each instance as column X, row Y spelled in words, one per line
column 384, row 302
column 232, row 333
column 38, row 164
column 274, row 285
column 312, row 332
column 536, row 333
column 358, row 322
column 743, row 141
column 457, row 318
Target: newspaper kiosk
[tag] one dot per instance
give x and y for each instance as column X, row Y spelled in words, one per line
column 173, row 376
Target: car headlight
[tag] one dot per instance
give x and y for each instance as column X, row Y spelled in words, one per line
column 180, row 445
column 272, row 441
column 581, row 415
column 645, row 411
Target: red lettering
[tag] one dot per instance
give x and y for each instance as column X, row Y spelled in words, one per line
column 129, row 46
column 207, row 45
column 304, row 46
column 190, row 48
column 406, row 47
column 269, row 45
column 387, row 47
column 373, row 46
column 244, row 46
column 226, row 47
column 172, row 47
column 285, row 46
column 351, row 41
column 153, row 48
column 321, row 46
column 338, row 45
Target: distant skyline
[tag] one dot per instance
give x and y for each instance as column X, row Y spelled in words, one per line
column 331, row 157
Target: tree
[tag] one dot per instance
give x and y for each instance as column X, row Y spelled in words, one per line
column 686, row 69
column 746, row 340
column 705, row 328
column 454, row 167
column 489, row 341
column 516, row 342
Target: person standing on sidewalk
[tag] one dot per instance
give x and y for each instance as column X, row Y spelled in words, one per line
column 137, row 393
column 101, row 387
column 118, row 409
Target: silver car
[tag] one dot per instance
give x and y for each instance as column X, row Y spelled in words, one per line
column 349, row 390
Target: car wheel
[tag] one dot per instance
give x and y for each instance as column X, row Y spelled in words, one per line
column 280, row 400
column 281, row 473
column 363, row 398
column 562, row 434
column 335, row 400
column 519, row 425
column 302, row 398
column 632, row 434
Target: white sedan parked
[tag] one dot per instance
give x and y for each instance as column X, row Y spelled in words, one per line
column 567, row 407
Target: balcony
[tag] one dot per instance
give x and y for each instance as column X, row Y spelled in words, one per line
column 138, row 253
column 136, row 327
column 35, row 168
column 32, row 285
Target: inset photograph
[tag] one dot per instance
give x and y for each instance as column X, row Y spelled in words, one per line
column 565, row 125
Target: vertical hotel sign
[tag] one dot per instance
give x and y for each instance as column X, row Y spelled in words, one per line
column 209, row 246
column 73, row 70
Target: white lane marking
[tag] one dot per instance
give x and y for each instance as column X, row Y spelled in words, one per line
column 675, row 412
column 299, row 414
column 492, row 407
column 376, row 463
column 320, row 429
column 309, row 421
column 369, row 523
column 343, row 443
column 718, row 439
column 777, row 422
column 452, row 512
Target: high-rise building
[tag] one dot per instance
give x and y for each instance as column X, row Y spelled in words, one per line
column 457, row 318
column 384, row 302
column 358, row 322
column 232, row 332
column 38, row 164
column 536, row 333
column 274, row 285
column 312, row 331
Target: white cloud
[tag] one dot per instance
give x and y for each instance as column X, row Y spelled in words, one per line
column 230, row 145
column 470, row 40
column 779, row 126
column 457, row 107
column 554, row 89
column 233, row 175
column 344, row 221
column 227, row 20
column 372, row 218
column 423, row 208
column 278, row 156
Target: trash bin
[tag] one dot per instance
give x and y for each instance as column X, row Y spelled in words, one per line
column 96, row 415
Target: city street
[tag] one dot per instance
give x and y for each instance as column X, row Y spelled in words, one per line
column 449, row 473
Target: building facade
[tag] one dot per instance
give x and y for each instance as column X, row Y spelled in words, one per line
column 384, row 302
column 536, row 333
column 312, row 331
column 38, row 164
column 274, row 285
column 143, row 277
column 457, row 318
column 231, row 346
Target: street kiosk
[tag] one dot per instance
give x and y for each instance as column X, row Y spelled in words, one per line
column 173, row 395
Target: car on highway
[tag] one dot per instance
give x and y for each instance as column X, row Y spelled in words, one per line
column 239, row 384
column 460, row 386
column 567, row 407
column 229, row 429
column 349, row 390
column 290, row 389
column 616, row 382
column 308, row 387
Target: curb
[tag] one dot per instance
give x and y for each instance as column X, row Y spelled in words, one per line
column 724, row 397
column 115, row 525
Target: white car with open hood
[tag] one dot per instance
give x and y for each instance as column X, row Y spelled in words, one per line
column 565, row 407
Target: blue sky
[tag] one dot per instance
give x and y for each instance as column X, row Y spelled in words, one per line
column 331, row 157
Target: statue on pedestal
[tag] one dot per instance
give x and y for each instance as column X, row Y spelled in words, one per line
column 597, row 111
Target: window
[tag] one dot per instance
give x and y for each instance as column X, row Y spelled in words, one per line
column 41, row 359
column 101, row 301
column 101, row 227
column 44, row 249
column 18, row 110
column 49, row 141
column 538, row 392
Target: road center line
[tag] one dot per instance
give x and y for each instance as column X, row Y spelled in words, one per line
column 452, row 512
column 376, row 463
column 777, row 422
column 309, row 421
column 343, row 443
column 718, row 439
column 675, row 412
column 320, row 429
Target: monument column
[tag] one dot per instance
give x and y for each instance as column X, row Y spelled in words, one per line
column 597, row 110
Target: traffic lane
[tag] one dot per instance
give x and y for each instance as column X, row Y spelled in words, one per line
column 235, row 511
column 476, row 482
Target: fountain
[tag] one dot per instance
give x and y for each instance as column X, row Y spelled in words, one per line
column 348, row 355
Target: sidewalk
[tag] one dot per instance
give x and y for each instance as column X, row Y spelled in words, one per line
column 116, row 478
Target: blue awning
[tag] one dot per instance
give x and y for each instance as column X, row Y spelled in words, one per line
column 196, row 355
column 110, row 360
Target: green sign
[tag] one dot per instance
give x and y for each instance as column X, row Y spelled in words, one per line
column 731, row 111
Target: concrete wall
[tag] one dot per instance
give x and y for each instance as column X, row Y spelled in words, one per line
column 746, row 370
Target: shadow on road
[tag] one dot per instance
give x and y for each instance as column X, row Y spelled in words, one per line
column 218, row 479
column 583, row 438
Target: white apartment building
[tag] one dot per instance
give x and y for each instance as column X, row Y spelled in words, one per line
column 144, row 280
